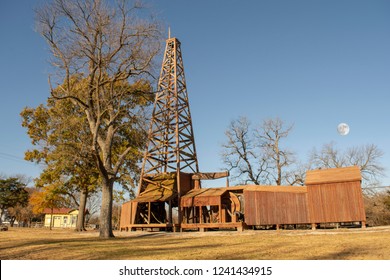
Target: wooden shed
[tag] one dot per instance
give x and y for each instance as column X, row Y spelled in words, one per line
column 270, row 205
column 212, row 208
column 152, row 208
column 330, row 196
column 335, row 195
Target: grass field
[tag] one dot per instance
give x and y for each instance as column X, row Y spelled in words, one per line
column 63, row 244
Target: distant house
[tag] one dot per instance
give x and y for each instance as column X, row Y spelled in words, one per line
column 62, row 217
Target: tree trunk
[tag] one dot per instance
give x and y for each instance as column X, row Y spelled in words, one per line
column 12, row 221
column 80, row 226
column 1, row 215
column 106, row 210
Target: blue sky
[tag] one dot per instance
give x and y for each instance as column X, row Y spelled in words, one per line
column 310, row 62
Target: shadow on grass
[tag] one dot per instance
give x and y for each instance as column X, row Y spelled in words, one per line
column 152, row 246
column 163, row 246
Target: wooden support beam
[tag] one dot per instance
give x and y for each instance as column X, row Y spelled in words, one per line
column 210, row 175
column 214, row 225
column 149, row 214
column 170, row 212
column 220, row 211
column 223, row 215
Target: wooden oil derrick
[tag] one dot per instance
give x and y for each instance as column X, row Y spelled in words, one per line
column 171, row 146
column 170, row 159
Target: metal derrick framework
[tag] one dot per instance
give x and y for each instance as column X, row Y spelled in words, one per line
column 171, row 145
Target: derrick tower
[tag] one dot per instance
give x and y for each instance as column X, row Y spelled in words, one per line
column 170, row 167
column 170, row 159
column 171, row 145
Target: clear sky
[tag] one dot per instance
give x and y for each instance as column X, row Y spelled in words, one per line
column 314, row 63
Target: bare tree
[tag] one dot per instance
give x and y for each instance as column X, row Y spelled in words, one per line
column 377, row 206
column 295, row 175
column 93, row 205
column 103, row 56
column 367, row 157
column 270, row 136
column 239, row 153
column 257, row 156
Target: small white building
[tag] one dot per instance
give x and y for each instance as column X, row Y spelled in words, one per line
column 61, row 217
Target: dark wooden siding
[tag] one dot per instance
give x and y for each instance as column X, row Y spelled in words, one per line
column 336, row 202
column 271, row 208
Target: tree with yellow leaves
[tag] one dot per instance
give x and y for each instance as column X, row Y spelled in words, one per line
column 110, row 46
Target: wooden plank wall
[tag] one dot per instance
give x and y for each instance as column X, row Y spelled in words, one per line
column 275, row 208
column 127, row 210
column 323, row 203
column 330, row 196
column 333, row 175
column 336, row 202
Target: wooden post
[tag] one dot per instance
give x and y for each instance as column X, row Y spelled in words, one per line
column 313, row 226
column 185, row 217
column 223, row 216
column 196, row 184
column 170, row 212
column 149, row 208
column 178, row 181
column 220, row 211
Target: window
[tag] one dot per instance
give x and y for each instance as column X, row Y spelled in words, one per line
column 74, row 219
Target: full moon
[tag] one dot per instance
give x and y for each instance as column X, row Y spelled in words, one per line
column 343, row 129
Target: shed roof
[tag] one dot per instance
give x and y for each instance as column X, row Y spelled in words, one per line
column 264, row 188
column 58, row 210
column 205, row 192
column 161, row 187
column 290, row 189
column 203, row 197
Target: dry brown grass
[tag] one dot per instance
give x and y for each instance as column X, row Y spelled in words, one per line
column 342, row 244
